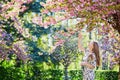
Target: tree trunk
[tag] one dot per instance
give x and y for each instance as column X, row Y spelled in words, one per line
column 66, row 73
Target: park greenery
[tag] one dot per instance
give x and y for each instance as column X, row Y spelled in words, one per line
column 39, row 38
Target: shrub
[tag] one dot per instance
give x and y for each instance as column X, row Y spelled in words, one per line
column 8, row 71
column 106, row 75
column 76, row 74
column 12, row 73
column 56, row 74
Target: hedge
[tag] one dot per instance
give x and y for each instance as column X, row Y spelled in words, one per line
column 76, row 74
column 13, row 73
column 99, row 75
column 106, row 75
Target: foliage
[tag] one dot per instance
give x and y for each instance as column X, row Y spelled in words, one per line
column 9, row 71
column 100, row 75
column 57, row 74
column 12, row 33
column 65, row 48
column 76, row 74
column 9, row 46
column 106, row 75
column 110, row 44
column 35, row 71
column 65, row 51
column 92, row 13
column 18, row 34
column 16, row 29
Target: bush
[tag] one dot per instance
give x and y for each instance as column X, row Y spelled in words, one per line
column 56, row 74
column 106, row 75
column 8, row 71
column 99, row 75
column 76, row 74
column 47, row 75
column 12, row 73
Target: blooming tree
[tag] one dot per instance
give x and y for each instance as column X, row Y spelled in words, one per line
column 12, row 32
column 11, row 11
column 115, row 49
column 65, row 50
column 7, row 46
column 111, row 47
column 101, row 14
column 92, row 13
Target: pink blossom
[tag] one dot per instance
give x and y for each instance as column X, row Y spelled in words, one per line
column 81, row 1
column 12, row 14
column 70, row 1
column 72, row 13
column 64, row 8
column 58, row 18
column 60, row 42
column 23, row 8
column 67, row 34
column 37, row 20
column 60, row 0
column 58, row 8
column 82, row 5
column 51, row 3
column 78, row 8
column 10, row 3
column 55, row 37
column 52, row 21
column 103, row 16
column 92, row 8
column 54, row 10
column 19, row 1
column 109, row 4
column 103, row 27
column 45, row 11
column 5, row 16
column 111, row 12
column 46, row 24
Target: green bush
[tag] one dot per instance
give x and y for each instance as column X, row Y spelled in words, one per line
column 106, row 75
column 9, row 71
column 99, row 75
column 76, row 74
column 47, row 75
column 12, row 73
column 56, row 74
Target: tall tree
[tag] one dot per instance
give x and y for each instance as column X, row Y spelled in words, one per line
column 65, row 50
column 92, row 13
